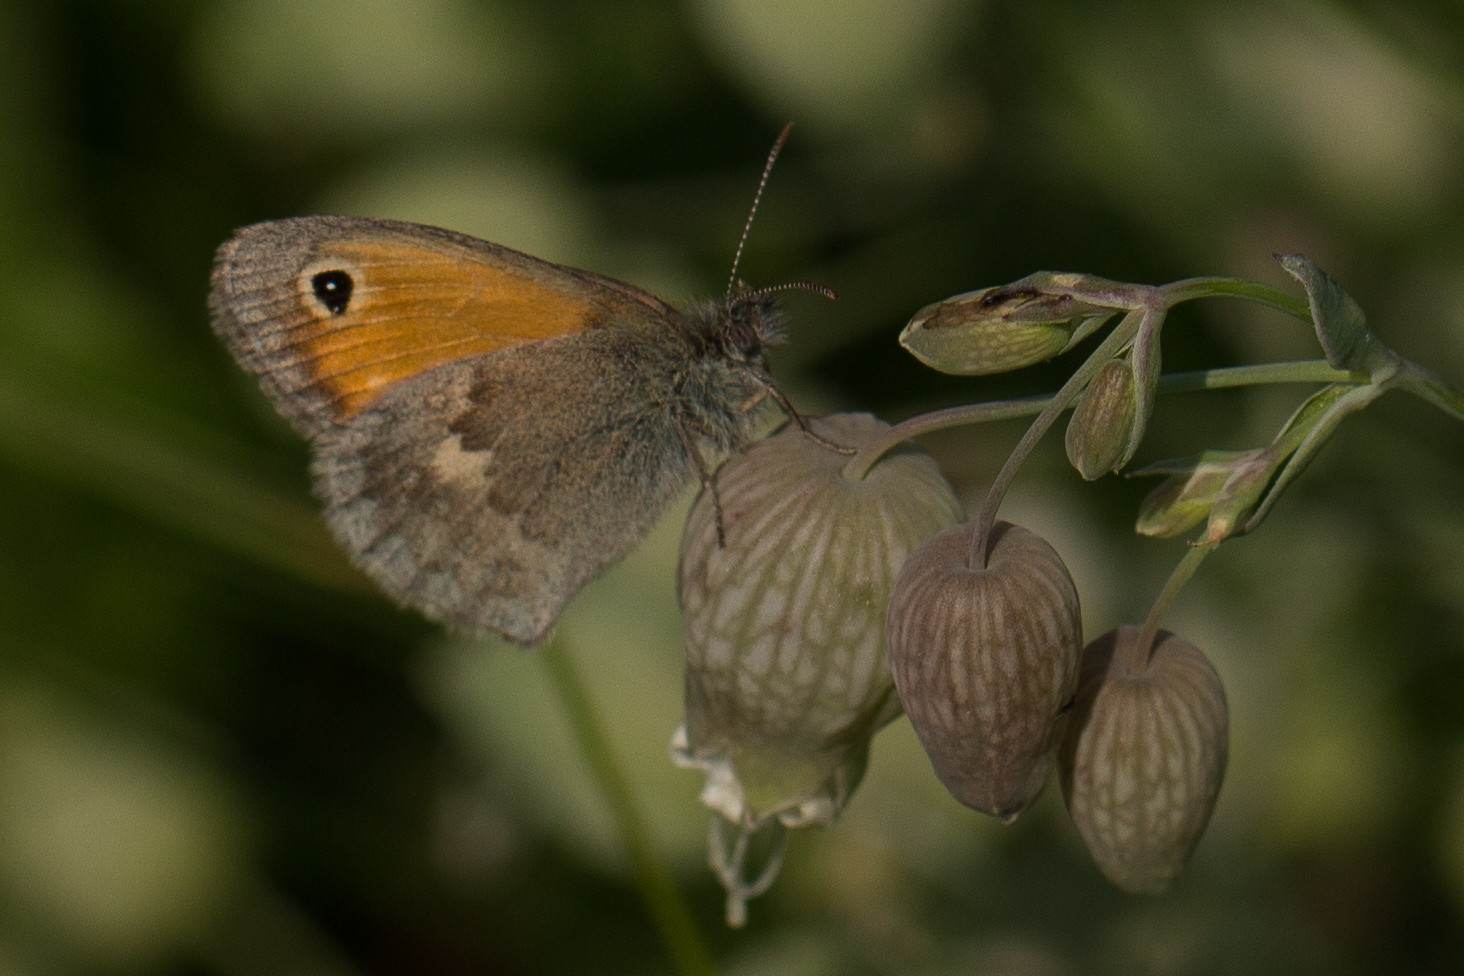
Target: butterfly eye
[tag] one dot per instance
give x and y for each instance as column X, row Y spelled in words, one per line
column 333, row 288
column 742, row 337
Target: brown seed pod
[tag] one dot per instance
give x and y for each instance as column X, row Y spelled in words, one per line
column 985, row 661
column 1144, row 757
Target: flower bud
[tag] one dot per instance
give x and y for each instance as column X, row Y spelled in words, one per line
column 1218, row 487
column 998, row 329
column 784, row 623
column 1103, row 422
column 1232, row 490
column 1144, row 756
column 1184, row 500
column 986, row 659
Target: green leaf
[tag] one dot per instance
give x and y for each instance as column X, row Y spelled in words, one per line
column 1340, row 323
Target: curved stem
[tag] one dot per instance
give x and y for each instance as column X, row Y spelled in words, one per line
column 1296, row 371
column 972, row 413
column 1122, row 334
column 668, row 910
column 1192, row 288
column 1299, row 371
column 1425, row 383
column 1181, row 575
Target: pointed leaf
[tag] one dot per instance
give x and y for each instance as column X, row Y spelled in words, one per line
column 1340, row 323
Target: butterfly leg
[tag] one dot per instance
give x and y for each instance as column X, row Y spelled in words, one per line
column 708, row 485
column 752, row 401
column 787, row 407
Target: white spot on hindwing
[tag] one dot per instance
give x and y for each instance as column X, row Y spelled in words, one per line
column 452, row 464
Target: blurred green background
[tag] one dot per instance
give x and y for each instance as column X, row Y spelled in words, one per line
column 221, row 753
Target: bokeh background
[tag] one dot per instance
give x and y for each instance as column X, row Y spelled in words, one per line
column 220, row 752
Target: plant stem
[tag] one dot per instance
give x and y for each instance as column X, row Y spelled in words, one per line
column 663, row 901
column 1192, row 288
column 1425, row 383
column 971, row 413
column 1181, row 575
column 1122, row 334
column 1296, row 371
column 1299, row 371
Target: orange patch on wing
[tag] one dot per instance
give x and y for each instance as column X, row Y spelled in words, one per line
column 414, row 309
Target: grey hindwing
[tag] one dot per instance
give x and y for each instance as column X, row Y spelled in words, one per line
column 528, row 473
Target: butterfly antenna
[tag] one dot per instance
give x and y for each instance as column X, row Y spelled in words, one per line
column 812, row 286
column 747, row 228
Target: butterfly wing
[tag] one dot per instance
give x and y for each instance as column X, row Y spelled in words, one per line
column 491, row 431
column 533, row 471
column 330, row 312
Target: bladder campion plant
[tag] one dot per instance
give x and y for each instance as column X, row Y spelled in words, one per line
column 848, row 588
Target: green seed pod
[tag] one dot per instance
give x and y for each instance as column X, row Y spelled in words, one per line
column 986, row 660
column 1103, row 423
column 784, row 623
column 1144, row 756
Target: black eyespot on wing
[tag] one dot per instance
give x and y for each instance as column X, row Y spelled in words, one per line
column 333, row 289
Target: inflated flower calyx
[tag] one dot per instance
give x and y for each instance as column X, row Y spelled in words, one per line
column 986, row 661
column 1144, row 756
column 784, row 625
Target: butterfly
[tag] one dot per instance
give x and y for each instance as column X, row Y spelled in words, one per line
column 490, row 431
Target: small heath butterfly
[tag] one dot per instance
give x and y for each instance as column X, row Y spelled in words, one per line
column 490, row 431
